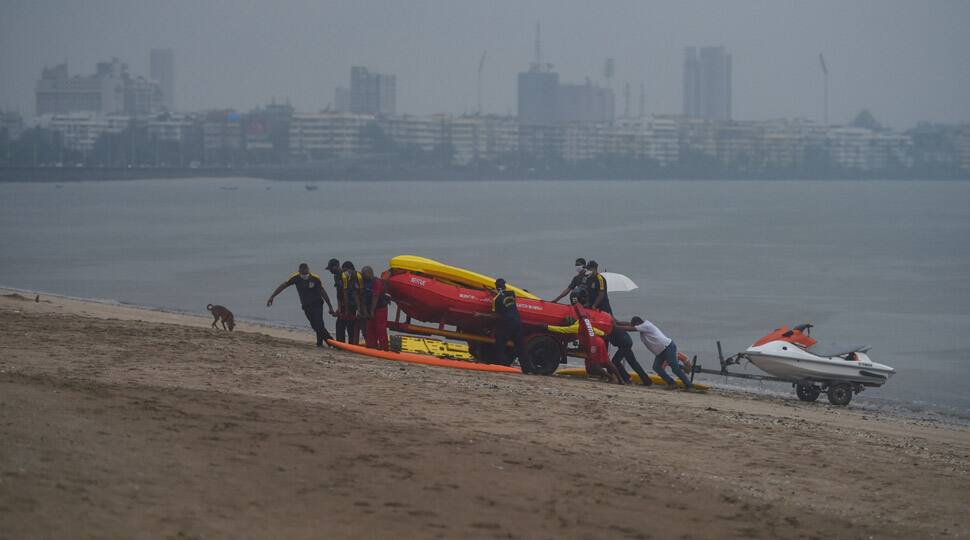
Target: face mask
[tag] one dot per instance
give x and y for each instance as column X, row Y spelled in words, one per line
column 580, row 269
column 305, row 276
column 589, row 272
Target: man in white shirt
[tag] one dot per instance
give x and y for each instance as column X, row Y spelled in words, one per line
column 663, row 348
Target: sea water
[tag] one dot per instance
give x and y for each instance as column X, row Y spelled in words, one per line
column 884, row 263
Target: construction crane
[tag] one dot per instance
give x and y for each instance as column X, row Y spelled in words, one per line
column 481, row 68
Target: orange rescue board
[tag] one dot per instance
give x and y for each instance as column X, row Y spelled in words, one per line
column 422, row 359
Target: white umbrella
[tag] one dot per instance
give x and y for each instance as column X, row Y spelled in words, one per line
column 618, row 282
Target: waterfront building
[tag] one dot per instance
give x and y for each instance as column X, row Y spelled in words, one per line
column 327, row 135
column 80, row 130
column 707, row 83
column 266, row 134
column 162, row 71
column 423, row 134
column 849, row 147
column 372, row 93
column 169, row 127
column 222, row 138
column 697, row 138
column 740, row 145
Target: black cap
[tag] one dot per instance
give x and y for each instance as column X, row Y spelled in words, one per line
column 580, row 261
column 499, row 283
column 347, row 265
column 592, row 264
column 333, row 264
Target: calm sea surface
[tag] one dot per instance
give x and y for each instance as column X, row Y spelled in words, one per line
column 881, row 263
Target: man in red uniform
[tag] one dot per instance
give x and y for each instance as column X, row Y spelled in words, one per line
column 375, row 299
column 590, row 341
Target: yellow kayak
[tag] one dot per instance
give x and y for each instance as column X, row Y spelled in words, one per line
column 581, row 372
column 452, row 274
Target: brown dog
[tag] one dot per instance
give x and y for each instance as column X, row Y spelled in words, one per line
column 221, row 313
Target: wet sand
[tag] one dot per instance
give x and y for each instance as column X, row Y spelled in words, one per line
column 129, row 423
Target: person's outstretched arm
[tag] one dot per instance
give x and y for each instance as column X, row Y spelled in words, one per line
column 626, row 327
column 564, row 292
column 278, row 290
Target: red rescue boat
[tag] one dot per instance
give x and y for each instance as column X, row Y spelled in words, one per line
column 430, row 300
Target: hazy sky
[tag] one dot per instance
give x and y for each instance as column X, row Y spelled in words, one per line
column 906, row 60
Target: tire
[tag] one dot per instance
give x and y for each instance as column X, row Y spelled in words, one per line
column 807, row 392
column 840, row 394
column 545, row 354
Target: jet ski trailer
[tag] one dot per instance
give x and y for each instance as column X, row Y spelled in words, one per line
column 791, row 355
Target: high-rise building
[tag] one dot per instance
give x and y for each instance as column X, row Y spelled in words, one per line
column 111, row 90
column 58, row 93
column 584, row 103
column 538, row 97
column 372, row 93
column 707, row 83
column 341, row 99
column 162, row 70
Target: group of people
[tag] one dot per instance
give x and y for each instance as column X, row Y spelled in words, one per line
column 362, row 302
column 588, row 289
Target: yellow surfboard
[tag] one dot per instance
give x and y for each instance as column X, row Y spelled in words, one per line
column 581, row 372
column 458, row 276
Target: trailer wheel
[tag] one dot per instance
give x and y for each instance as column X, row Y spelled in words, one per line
column 840, row 394
column 807, row 392
column 545, row 354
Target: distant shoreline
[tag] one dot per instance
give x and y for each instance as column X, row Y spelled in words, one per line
column 385, row 172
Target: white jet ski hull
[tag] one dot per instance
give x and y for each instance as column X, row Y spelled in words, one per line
column 788, row 361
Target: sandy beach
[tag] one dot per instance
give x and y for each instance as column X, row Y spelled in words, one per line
column 117, row 422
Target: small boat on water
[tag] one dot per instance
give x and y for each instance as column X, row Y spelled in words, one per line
column 310, row 187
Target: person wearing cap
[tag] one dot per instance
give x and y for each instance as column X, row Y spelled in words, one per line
column 352, row 285
column 663, row 347
column 590, row 340
column 375, row 300
column 508, row 327
column 312, row 297
column 598, row 297
column 344, row 321
column 578, row 280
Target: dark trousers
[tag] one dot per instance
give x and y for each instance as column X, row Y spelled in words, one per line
column 507, row 331
column 314, row 314
column 348, row 330
column 669, row 355
column 624, row 344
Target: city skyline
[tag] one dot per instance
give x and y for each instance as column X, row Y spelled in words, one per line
column 902, row 60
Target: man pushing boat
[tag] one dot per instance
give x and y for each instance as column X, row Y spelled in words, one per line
column 590, row 340
column 664, row 349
